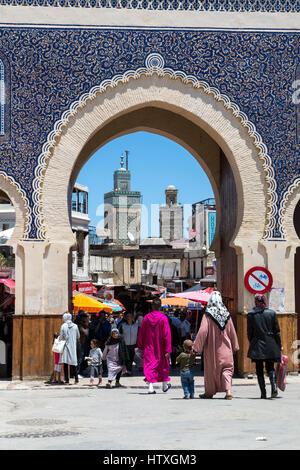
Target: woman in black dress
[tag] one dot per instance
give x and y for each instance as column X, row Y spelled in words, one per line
column 265, row 343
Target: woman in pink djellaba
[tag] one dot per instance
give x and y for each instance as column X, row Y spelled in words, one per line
column 218, row 341
column 154, row 338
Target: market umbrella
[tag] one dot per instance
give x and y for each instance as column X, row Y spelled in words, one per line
column 197, row 296
column 120, row 303
column 174, row 302
column 116, row 307
column 88, row 304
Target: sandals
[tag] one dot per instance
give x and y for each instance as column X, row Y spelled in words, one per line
column 168, row 388
column 228, row 397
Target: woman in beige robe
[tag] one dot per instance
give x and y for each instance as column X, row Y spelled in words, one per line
column 218, row 340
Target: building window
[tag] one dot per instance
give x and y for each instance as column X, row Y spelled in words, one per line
column 2, row 99
column 132, row 266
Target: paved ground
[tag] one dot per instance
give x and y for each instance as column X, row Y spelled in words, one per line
column 38, row 416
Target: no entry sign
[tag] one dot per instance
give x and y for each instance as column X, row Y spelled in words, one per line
column 258, row 280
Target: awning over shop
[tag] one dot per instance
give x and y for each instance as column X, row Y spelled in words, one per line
column 9, row 285
column 86, row 287
column 197, row 296
column 194, row 288
column 5, row 235
column 206, row 279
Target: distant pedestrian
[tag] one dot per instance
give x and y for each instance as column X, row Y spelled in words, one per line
column 119, row 318
column 154, row 339
column 112, row 321
column 185, row 328
column 70, row 333
column 82, row 321
column 101, row 329
column 175, row 340
column 129, row 330
column 55, row 377
column 186, row 360
column 95, row 361
column 115, row 353
column 57, row 365
column 218, row 340
column 175, row 318
column 265, row 343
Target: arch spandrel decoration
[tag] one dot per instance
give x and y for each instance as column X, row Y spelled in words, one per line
column 23, row 211
column 155, row 64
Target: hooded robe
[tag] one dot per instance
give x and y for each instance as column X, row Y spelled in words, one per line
column 69, row 332
column 154, row 338
column 218, row 340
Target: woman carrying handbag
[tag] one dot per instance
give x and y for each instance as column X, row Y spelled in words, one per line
column 70, row 334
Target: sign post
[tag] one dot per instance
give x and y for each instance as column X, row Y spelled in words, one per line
column 258, row 280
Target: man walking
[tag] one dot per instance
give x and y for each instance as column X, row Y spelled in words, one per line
column 129, row 331
column 154, row 339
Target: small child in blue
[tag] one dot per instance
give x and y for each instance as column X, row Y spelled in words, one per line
column 186, row 360
column 95, row 361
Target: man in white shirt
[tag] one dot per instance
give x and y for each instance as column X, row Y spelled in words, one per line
column 129, row 330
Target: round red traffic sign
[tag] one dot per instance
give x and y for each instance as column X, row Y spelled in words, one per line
column 258, row 280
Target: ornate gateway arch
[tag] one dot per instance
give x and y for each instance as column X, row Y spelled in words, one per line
column 218, row 77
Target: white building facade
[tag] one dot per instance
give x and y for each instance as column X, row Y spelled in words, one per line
column 200, row 254
column 80, row 227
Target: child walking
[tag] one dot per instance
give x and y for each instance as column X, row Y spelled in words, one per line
column 57, row 365
column 115, row 353
column 95, row 361
column 186, row 360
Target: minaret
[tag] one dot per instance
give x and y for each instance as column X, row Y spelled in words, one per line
column 171, row 216
column 123, row 208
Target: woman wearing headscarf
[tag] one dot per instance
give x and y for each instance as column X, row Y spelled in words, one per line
column 115, row 353
column 70, row 333
column 265, row 342
column 218, row 340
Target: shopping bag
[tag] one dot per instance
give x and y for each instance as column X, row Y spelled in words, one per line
column 281, row 372
column 58, row 345
column 139, row 352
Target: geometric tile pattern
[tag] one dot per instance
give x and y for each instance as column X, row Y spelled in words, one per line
column 51, row 68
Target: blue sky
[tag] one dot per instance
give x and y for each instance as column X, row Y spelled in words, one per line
column 155, row 162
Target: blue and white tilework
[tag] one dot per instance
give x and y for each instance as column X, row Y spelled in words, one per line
column 51, row 68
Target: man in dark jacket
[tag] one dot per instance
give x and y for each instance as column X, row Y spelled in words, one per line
column 265, row 343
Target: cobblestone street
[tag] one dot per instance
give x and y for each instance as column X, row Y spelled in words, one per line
column 41, row 417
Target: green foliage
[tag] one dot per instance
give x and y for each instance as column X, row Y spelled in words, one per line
column 7, row 261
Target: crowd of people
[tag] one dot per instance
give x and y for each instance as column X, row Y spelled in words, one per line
column 105, row 345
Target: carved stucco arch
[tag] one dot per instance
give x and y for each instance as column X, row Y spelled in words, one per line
column 290, row 207
column 21, row 206
column 224, row 123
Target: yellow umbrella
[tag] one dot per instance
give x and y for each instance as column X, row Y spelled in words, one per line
column 88, row 304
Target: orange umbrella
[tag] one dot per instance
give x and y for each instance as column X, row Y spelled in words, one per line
column 175, row 301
